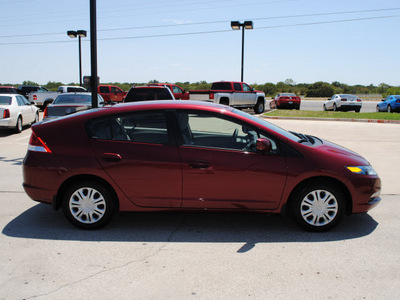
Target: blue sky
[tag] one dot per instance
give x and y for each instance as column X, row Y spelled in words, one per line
column 351, row 41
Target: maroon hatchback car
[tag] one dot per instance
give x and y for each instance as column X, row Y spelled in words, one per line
column 173, row 155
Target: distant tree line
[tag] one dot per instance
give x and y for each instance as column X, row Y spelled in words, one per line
column 317, row 89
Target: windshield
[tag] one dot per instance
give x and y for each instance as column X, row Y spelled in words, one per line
column 74, row 99
column 269, row 125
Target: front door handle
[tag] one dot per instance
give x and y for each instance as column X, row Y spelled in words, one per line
column 111, row 157
column 203, row 165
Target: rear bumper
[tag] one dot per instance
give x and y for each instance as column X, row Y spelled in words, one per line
column 346, row 106
column 8, row 123
column 294, row 104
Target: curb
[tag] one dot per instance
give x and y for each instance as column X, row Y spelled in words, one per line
column 335, row 119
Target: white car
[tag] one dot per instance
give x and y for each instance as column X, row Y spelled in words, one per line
column 343, row 102
column 16, row 111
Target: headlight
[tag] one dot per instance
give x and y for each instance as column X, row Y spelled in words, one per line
column 362, row 170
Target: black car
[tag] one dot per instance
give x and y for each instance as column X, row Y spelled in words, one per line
column 145, row 93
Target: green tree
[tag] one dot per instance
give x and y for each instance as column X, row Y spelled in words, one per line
column 53, row 86
column 391, row 91
column 269, row 89
column 320, row 89
column 28, row 82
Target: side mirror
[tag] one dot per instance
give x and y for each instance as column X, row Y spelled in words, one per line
column 263, row 145
column 383, row 100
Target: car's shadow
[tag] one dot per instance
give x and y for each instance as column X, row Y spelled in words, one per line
column 40, row 222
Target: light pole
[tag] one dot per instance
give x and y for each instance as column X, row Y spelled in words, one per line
column 79, row 34
column 236, row 26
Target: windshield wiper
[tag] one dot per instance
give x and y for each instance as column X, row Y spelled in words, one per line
column 303, row 138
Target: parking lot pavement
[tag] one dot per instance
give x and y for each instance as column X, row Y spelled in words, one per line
column 204, row 255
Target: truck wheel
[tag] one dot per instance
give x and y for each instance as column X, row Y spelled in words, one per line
column 224, row 102
column 259, row 107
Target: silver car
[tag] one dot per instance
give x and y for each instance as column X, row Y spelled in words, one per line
column 343, row 102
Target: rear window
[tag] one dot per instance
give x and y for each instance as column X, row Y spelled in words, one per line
column 75, row 89
column 223, row 86
column 5, row 100
column 145, row 94
column 6, row 90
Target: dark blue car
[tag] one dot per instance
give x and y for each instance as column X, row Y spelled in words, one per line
column 390, row 104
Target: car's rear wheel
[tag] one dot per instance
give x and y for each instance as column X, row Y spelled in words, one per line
column 389, row 109
column 259, row 107
column 357, row 110
column 36, row 118
column 319, row 206
column 335, row 107
column 18, row 126
column 88, row 204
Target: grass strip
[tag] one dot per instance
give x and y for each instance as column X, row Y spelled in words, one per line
column 332, row 114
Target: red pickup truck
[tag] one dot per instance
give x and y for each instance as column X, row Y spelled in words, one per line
column 111, row 93
column 232, row 93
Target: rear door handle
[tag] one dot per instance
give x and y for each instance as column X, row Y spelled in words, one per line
column 111, row 157
column 199, row 165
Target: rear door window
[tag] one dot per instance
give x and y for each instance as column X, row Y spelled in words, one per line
column 141, row 127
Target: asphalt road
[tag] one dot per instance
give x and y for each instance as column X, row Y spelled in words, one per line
column 204, row 255
column 317, row 105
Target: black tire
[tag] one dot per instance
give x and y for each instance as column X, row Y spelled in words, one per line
column 36, row 118
column 390, row 109
column 357, row 110
column 224, row 102
column 88, row 205
column 324, row 107
column 318, row 206
column 335, row 107
column 18, row 126
column 377, row 108
column 259, row 107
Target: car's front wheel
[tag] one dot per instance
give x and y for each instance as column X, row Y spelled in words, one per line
column 88, row 204
column 319, row 206
column 377, row 108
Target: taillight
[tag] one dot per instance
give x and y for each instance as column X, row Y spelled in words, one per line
column 6, row 113
column 45, row 112
column 34, row 97
column 37, row 144
column 358, row 100
column 398, row 101
column 343, row 99
column 211, row 95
